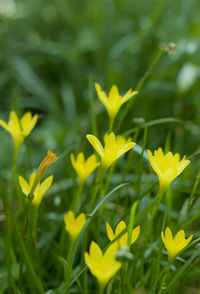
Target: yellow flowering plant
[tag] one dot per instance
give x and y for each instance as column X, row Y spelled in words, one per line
column 113, row 149
column 114, row 100
column 84, row 167
column 122, row 241
column 74, row 225
column 176, row 244
column 167, row 167
column 39, row 190
column 102, row 266
column 19, row 128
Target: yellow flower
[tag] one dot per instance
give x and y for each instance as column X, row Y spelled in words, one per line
column 113, row 148
column 114, row 101
column 167, row 167
column 174, row 246
column 103, row 267
column 74, row 225
column 122, row 241
column 19, row 129
column 84, row 167
column 46, row 162
column 38, row 191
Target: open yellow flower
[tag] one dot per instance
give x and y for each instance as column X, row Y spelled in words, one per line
column 84, row 167
column 39, row 190
column 167, row 167
column 74, row 225
column 114, row 101
column 174, row 246
column 103, row 267
column 122, row 241
column 19, row 128
column 113, row 148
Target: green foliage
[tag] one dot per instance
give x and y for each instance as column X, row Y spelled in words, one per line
column 51, row 54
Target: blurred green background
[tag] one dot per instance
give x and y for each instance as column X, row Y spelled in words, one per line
column 52, row 52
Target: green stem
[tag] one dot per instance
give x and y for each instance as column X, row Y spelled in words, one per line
column 141, row 163
column 111, row 122
column 14, row 168
column 152, row 215
column 196, row 183
column 101, row 289
column 36, row 281
column 98, row 183
column 164, row 278
column 34, row 225
column 68, row 274
column 77, row 197
column 109, row 176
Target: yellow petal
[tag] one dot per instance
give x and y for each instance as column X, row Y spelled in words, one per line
column 81, row 219
column 109, row 141
column 109, row 255
column 181, row 166
column 114, row 91
column 46, row 184
column 95, row 252
column 163, row 237
column 94, row 141
column 159, row 153
column 24, row 185
column 25, row 120
column 135, row 234
column 120, row 227
column 28, row 123
column 81, row 158
column 69, row 218
column 4, row 125
column 73, row 161
column 102, row 95
column 180, row 236
column 91, row 163
column 109, row 232
column 129, row 95
column 189, row 239
column 154, row 163
column 126, row 148
column 14, row 123
column 31, row 180
column 168, row 234
column 88, row 260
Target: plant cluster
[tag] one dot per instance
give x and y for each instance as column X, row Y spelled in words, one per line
column 115, row 264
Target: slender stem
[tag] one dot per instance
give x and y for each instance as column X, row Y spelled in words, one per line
column 100, row 176
column 36, row 280
column 152, row 215
column 101, row 289
column 68, row 274
column 109, row 176
column 164, row 278
column 34, row 224
column 196, row 183
column 141, row 163
column 111, row 122
column 78, row 196
column 14, row 168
